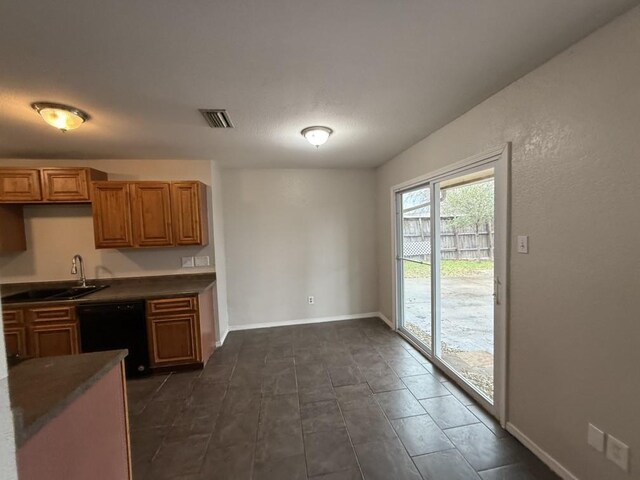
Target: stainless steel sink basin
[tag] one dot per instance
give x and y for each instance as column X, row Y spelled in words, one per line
column 34, row 295
column 77, row 292
column 52, row 294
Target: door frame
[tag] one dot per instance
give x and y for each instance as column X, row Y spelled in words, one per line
column 500, row 157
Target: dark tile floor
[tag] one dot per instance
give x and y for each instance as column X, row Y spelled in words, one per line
column 332, row 401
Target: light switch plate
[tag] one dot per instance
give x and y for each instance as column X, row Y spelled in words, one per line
column 187, row 262
column 523, row 243
column 596, row 438
column 202, row 261
column 618, row 453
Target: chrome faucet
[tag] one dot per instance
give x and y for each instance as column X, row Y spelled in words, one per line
column 74, row 269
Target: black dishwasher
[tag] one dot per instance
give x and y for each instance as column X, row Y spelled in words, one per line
column 116, row 325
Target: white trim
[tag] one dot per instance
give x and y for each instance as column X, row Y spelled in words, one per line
column 551, row 462
column 384, row 318
column 475, row 160
column 303, row 321
column 220, row 342
column 502, row 172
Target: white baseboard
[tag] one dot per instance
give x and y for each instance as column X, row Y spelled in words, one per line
column 551, row 462
column 303, row 321
column 386, row 320
column 220, row 342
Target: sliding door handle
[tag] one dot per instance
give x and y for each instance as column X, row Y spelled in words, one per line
column 496, row 290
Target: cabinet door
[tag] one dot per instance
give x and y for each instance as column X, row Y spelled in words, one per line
column 174, row 339
column 20, row 185
column 13, row 237
column 151, row 214
column 15, row 339
column 65, row 184
column 49, row 340
column 111, row 215
column 190, row 218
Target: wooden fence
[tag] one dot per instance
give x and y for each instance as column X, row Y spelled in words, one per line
column 467, row 243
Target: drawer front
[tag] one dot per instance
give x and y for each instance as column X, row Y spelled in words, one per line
column 51, row 314
column 168, row 306
column 13, row 317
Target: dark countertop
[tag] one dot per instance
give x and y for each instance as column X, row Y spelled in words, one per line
column 121, row 288
column 41, row 388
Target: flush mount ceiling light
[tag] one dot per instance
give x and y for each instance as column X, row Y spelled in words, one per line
column 62, row 117
column 316, row 136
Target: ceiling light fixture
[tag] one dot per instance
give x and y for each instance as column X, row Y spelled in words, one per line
column 316, row 136
column 62, row 117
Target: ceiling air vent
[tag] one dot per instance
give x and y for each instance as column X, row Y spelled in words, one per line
column 216, row 117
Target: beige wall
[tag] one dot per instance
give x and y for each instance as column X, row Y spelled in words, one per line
column 574, row 326
column 294, row 233
column 57, row 232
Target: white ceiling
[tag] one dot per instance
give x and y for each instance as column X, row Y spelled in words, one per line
column 382, row 73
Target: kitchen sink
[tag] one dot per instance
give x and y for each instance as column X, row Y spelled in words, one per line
column 35, row 295
column 52, row 294
column 77, row 292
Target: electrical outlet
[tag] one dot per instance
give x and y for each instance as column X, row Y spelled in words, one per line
column 311, row 300
column 523, row 243
column 187, row 262
column 202, row 261
column 595, row 438
column 618, row 452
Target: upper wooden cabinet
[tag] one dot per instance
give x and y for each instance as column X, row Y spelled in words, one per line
column 149, row 214
column 189, row 201
column 12, row 232
column 112, row 215
column 69, row 184
column 20, row 185
column 47, row 185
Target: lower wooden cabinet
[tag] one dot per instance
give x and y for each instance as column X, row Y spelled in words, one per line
column 15, row 339
column 55, row 339
column 174, row 339
column 181, row 330
column 174, row 331
column 41, row 331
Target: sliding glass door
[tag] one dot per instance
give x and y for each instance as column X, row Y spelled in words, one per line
column 465, row 273
column 446, row 251
column 414, row 262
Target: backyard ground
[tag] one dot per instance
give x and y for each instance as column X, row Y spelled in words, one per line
column 466, row 313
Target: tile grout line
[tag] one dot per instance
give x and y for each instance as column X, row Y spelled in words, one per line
column 466, row 407
column 304, row 444
column 255, row 443
column 226, row 391
column 389, row 421
column 346, row 429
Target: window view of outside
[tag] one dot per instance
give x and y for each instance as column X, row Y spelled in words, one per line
column 416, row 230
column 467, row 240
